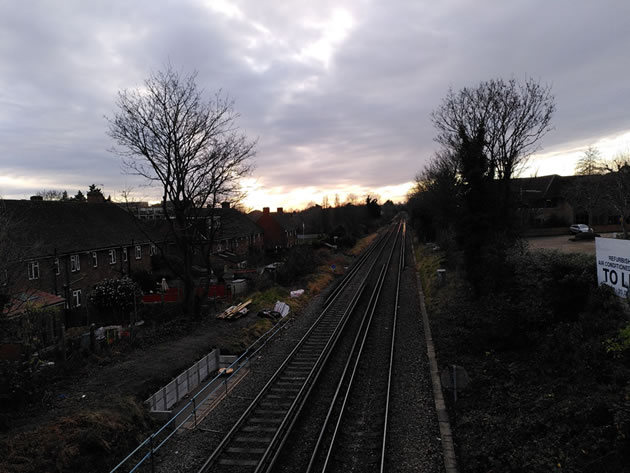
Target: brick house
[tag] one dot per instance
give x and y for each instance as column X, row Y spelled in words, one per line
column 65, row 248
column 234, row 232
column 279, row 228
column 229, row 230
column 554, row 201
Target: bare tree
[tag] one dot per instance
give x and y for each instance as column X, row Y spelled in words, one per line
column 590, row 163
column 190, row 147
column 588, row 190
column 514, row 117
column 52, row 194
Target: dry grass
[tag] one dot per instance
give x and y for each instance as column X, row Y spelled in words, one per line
column 362, row 244
column 243, row 338
column 80, row 442
column 319, row 282
column 429, row 261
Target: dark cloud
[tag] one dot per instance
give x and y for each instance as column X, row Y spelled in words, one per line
column 337, row 94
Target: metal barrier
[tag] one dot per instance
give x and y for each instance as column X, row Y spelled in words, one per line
column 237, row 365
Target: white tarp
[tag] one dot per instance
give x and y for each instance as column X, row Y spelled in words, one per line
column 613, row 264
column 281, row 308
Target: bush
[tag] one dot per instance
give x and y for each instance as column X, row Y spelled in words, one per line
column 549, row 351
column 115, row 298
column 299, row 262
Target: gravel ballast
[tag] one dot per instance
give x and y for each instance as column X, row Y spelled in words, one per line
column 413, row 438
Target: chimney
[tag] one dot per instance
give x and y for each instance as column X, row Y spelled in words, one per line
column 37, row 198
column 265, row 210
column 225, row 205
column 279, row 210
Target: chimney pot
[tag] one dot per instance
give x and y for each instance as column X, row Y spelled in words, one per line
column 265, row 210
column 279, row 210
column 37, row 198
column 225, row 205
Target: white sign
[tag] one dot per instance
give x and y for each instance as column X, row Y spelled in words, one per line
column 613, row 264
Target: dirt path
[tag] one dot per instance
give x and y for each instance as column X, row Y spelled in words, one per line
column 98, row 381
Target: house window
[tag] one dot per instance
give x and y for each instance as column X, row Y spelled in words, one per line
column 75, row 263
column 76, row 298
column 125, row 255
column 33, row 270
column 112, row 256
column 138, row 252
column 56, row 266
column 94, row 259
column 153, row 250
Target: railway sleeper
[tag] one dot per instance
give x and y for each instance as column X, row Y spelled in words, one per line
column 258, row 428
column 264, row 420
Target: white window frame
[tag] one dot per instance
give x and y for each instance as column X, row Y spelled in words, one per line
column 56, row 266
column 153, row 250
column 112, row 256
column 138, row 252
column 33, row 270
column 125, row 254
column 94, row 259
column 76, row 298
column 75, row 263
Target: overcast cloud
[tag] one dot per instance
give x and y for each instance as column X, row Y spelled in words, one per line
column 337, row 93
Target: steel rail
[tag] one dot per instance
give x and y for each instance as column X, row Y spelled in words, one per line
column 283, row 431
column 242, row 419
column 349, row 359
column 276, row 452
column 371, row 309
column 355, row 268
column 401, row 264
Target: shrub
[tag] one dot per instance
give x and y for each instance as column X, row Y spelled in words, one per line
column 300, row 261
column 115, row 297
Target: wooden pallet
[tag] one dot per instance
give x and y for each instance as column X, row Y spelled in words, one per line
column 235, row 311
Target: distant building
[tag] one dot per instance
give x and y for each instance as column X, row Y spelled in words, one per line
column 559, row 201
column 234, row 232
column 279, row 228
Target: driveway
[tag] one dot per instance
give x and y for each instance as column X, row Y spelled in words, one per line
column 563, row 244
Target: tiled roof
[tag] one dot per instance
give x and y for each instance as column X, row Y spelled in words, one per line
column 43, row 228
column 540, row 186
column 33, row 298
column 286, row 220
column 234, row 224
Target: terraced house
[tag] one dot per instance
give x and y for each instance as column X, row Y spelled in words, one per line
column 63, row 249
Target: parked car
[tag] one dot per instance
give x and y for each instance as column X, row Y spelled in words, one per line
column 579, row 228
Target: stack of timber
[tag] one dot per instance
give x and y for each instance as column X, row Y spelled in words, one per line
column 235, row 311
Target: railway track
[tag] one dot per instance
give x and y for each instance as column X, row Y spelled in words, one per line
column 255, row 440
column 353, row 436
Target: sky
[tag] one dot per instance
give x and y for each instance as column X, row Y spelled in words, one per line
column 338, row 94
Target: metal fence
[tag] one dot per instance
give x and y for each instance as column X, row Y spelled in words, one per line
column 186, row 382
column 146, row 451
